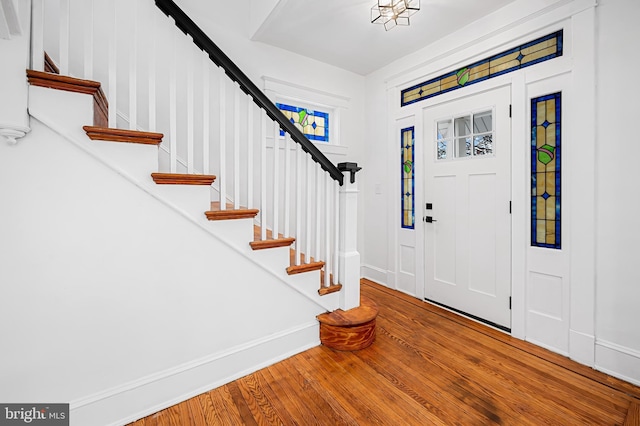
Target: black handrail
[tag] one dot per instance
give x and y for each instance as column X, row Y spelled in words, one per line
column 187, row 26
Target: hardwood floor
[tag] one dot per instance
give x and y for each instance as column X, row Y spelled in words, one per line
column 426, row 367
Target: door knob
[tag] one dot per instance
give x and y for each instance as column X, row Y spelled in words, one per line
column 429, row 219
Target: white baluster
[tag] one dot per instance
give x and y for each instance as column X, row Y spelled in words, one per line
column 327, row 230
column 318, row 210
column 133, row 69
column 173, row 101
column 250, row 124
column 64, row 37
column 206, row 102
column 276, row 178
column 299, row 183
column 151, row 76
column 236, row 147
column 37, row 35
column 88, row 40
column 113, row 67
column 222, row 179
column 263, row 176
column 287, row 184
column 310, row 174
column 190, row 106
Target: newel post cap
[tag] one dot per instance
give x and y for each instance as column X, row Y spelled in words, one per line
column 352, row 168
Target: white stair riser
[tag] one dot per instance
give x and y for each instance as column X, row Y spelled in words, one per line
column 192, row 199
column 65, row 112
column 137, row 160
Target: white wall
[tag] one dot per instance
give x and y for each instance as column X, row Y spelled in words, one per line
column 115, row 302
column 618, row 233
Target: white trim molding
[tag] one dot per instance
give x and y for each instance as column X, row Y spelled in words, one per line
column 374, row 273
column 618, row 361
column 12, row 133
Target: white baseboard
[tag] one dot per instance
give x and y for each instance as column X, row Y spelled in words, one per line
column 582, row 348
column 148, row 395
column 618, row 361
column 374, row 273
column 546, row 346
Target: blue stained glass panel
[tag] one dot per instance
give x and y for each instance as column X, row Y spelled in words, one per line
column 313, row 124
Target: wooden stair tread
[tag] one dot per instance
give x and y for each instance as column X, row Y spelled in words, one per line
column 304, row 267
column 258, row 243
column 76, row 85
column 230, row 213
column 367, row 311
column 182, row 179
column 331, row 289
column 122, row 135
column 271, row 243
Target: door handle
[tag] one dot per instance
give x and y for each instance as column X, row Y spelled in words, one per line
column 429, row 219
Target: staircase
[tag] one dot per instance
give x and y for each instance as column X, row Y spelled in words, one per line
column 141, row 95
column 294, row 200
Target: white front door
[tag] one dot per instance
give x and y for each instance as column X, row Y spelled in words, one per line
column 467, row 196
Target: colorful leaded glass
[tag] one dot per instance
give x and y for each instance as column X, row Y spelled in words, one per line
column 534, row 52
column 408, row 177
column 313, row 124
column 545, row 171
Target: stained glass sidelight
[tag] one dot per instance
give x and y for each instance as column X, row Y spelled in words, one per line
column 408, row 177
column 531, row 53
column 313, row 124
column 545, row 171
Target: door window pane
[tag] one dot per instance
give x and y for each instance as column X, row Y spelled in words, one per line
column 482, row 122
column 465, row 136
column 462, row 126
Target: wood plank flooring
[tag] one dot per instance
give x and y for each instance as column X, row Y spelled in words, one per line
column 426, row 367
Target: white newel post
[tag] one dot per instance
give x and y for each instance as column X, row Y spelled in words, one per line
column 349, row 258
column 14, row 51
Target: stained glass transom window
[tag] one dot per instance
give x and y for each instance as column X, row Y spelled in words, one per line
column 408, row 177
column 465, row 136
column 313, row 124
column 534, row 52
column 545, row 171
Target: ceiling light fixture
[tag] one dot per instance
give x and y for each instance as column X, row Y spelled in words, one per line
column 391, row 13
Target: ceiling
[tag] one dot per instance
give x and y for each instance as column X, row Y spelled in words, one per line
column 339, row 32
